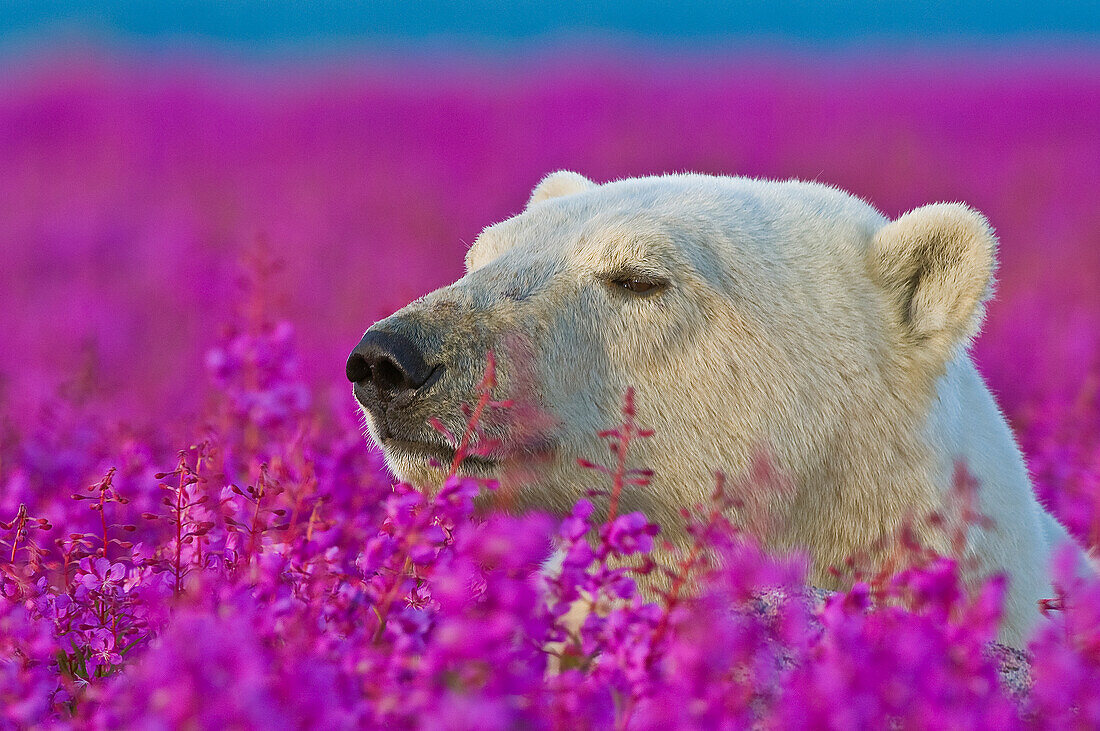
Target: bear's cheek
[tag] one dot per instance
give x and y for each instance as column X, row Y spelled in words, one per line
column 645, row 337
column 586, row 358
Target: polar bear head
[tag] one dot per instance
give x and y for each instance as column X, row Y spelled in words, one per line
column 748, row 314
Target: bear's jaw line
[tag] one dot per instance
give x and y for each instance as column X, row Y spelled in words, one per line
column 412, row 450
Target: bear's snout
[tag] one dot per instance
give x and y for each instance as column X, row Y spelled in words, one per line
column 386, row 366
column 412, row 374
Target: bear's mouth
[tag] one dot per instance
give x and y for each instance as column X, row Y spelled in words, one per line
column 430, row 452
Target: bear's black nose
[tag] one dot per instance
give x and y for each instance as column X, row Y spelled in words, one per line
column 390, row 361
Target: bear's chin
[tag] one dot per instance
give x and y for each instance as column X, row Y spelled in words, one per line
column 428, row 465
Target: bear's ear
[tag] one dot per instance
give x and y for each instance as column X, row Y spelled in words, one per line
column 936, row 263
column 555, row 185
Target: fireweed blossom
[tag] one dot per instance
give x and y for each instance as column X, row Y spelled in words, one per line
column 270, row 574
column 255, row 565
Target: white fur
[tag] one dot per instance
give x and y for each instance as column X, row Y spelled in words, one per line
column 796, row 319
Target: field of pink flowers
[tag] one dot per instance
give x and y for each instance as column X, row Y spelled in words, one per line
column 193, row 531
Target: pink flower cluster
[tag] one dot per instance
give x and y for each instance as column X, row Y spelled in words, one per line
column 274, row 577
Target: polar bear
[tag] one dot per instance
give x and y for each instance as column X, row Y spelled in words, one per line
column 746, row 313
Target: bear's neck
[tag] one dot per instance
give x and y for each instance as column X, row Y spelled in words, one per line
column 877, row 479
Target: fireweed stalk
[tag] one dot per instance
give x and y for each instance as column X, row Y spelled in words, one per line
column 472, row 442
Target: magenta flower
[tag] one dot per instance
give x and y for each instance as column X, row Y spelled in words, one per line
column 577, row 524
column 632, row 533
column 102, row 652
column 101, row 575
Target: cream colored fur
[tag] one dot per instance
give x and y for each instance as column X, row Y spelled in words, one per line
column 796, row 318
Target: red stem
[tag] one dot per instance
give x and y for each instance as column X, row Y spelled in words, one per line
column 21, row 517
column 620, row 471
column 672, row 599
column 255, row 517
column 103, row 520
column 179, row 527
column 464, row 444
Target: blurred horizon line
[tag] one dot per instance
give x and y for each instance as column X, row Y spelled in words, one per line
column 30, row 52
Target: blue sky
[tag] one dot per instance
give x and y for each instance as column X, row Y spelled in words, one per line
column 264, row 24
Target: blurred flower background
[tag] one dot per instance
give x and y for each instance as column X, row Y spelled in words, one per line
column 155, row 161
column 144, row 150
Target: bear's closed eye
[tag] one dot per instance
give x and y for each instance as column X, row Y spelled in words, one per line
column 637, row 283
column 638, row 286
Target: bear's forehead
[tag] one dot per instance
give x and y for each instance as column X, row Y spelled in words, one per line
column 602, row 236
column 676, row 218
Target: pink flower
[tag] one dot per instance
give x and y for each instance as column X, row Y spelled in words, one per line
column 631, row 533
column 102, row 652
column 101, row 575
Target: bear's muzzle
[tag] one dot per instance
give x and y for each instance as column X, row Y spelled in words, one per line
column 389, row 373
